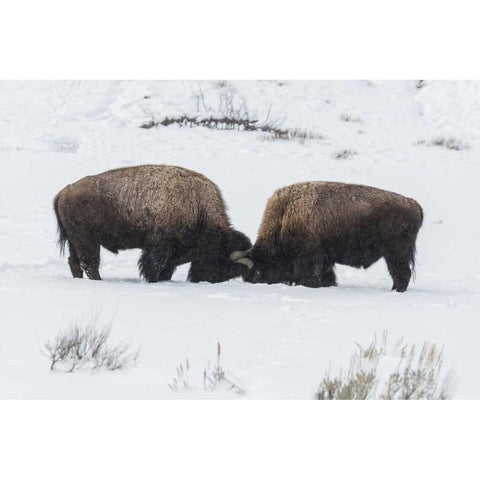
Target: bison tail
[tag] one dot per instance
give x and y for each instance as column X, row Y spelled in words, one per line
column 62, row 234
column 414, row 251
column 413, row 262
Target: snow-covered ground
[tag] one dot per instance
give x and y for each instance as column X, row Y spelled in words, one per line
column 276, row 340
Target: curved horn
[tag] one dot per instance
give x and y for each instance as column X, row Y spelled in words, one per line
column 239, row 254
column 245, row 261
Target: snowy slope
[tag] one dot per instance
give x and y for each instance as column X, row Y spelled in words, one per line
column 276, row 340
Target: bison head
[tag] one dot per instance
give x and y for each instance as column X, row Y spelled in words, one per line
column 264, row 266
column 216, row 264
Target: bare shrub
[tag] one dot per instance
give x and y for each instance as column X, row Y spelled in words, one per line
column 230, row 113
column 451, row 143
column 343, row 154
column 358, row 385
column 360, row 381
column 292, row 134
column 87, row 345
column 221, row 83
column 346, row 117
column 212, row 122
column 217, row 122
column 417, row 375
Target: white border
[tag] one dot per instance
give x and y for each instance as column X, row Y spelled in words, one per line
column 238, row 440
column 184, row 39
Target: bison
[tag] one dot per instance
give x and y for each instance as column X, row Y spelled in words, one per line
column 173, row 214
column 309, row 227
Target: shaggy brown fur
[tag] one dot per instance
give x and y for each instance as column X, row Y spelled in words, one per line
column 308, row 227
column 173, row 214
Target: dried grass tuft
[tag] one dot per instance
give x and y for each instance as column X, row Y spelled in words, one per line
column 418, row 374
column 82, row 345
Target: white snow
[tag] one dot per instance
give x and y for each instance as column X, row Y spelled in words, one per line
column 277, row 341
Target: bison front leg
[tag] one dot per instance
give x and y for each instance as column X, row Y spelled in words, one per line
column 308, row 271
column 329, row 278
column 155, row 265
column 198, row 272
column 314, row 271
